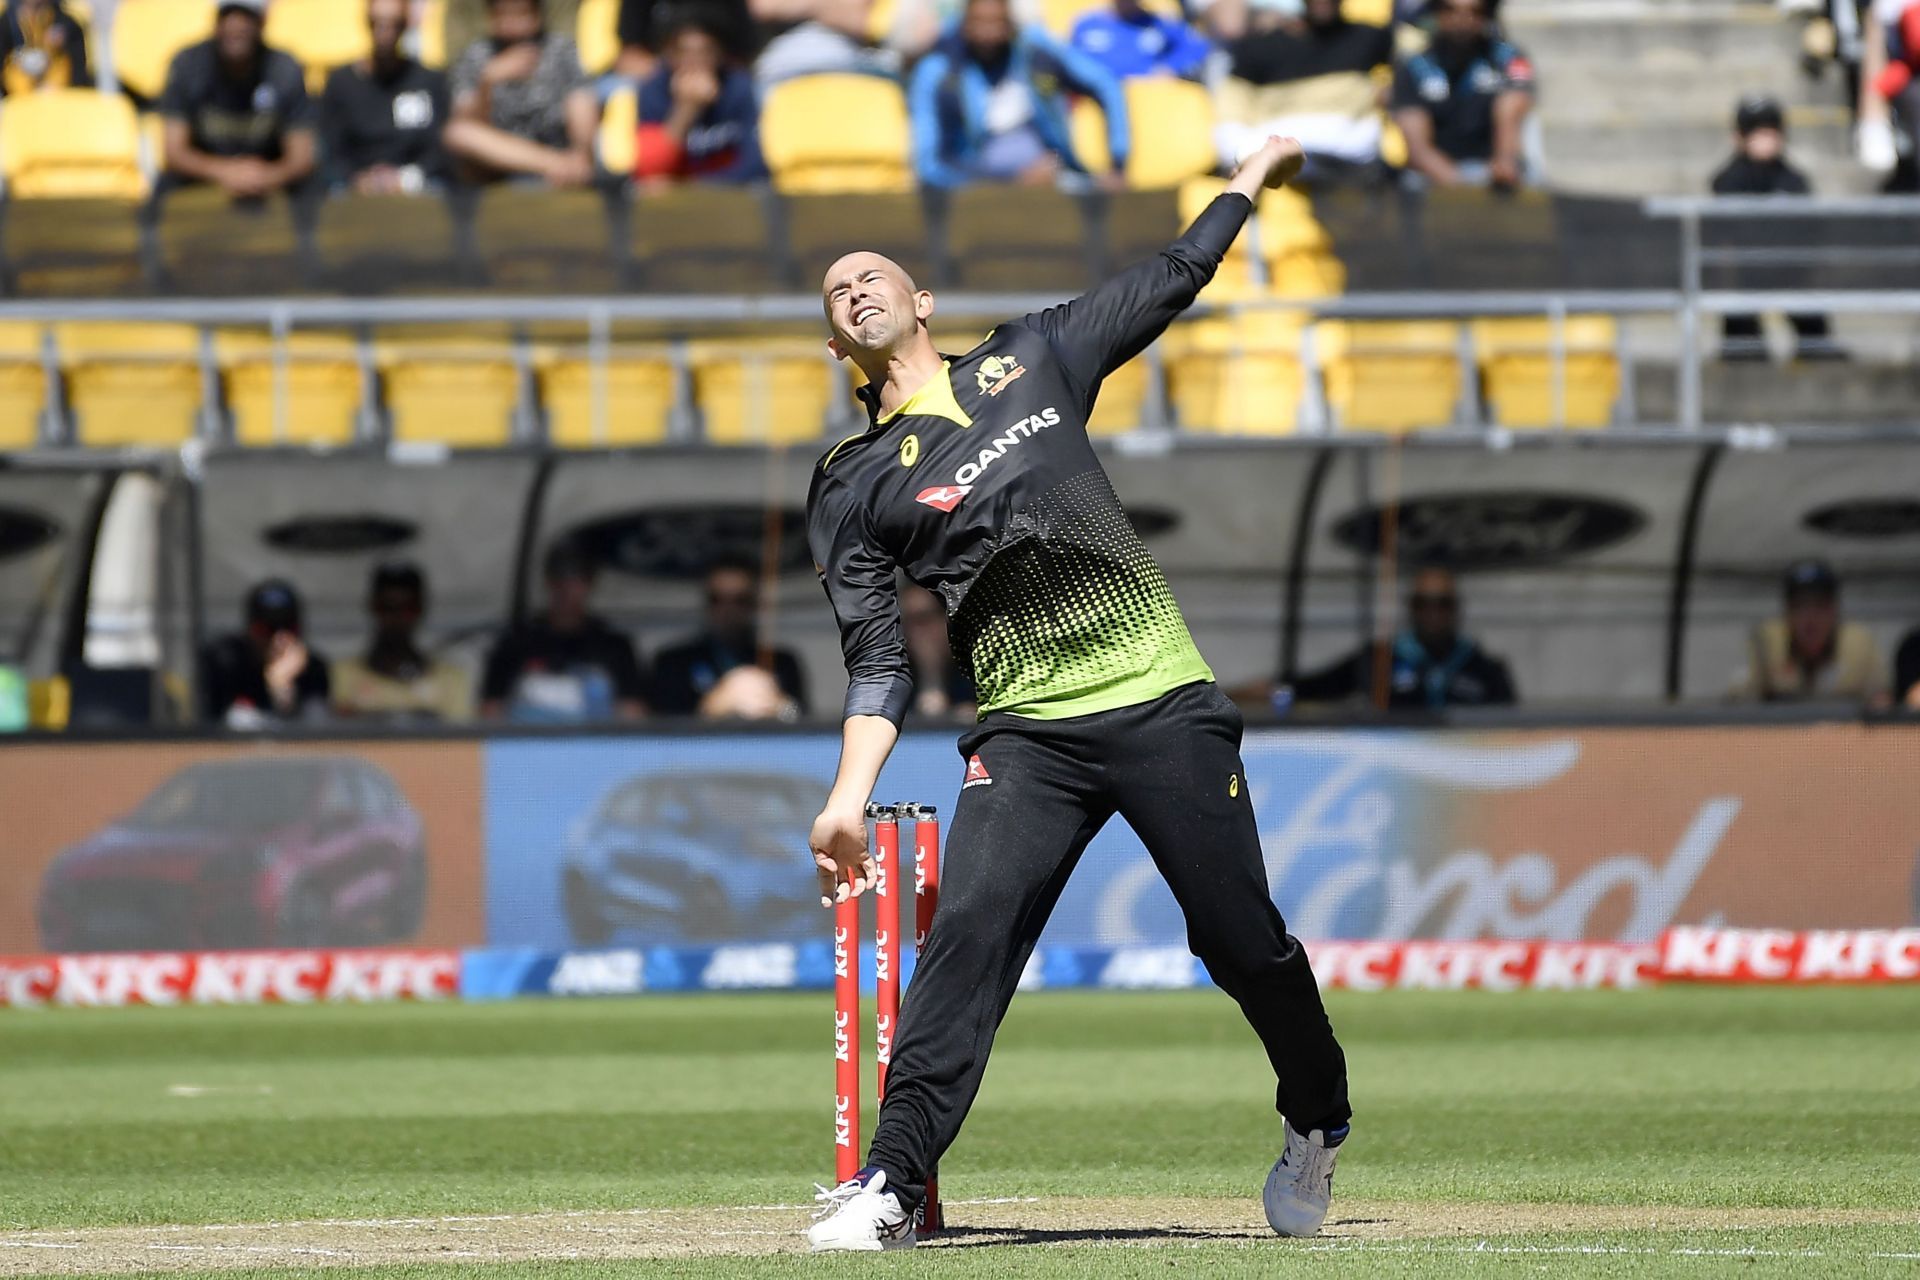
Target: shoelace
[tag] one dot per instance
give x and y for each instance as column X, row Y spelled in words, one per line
column 834, row 1199
column 1314, row 1162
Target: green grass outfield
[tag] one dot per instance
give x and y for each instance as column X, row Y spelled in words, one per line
column 1786, row 1123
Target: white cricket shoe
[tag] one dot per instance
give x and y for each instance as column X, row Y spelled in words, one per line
column 860, row 1216
column 1300, row 1188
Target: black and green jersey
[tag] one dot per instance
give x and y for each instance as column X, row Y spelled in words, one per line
column 984, row 488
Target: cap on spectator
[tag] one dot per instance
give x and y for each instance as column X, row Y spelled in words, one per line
column 258, row 8
column 275, row 605
column 1758, row 111
column 1812, row 578
column 565, row 560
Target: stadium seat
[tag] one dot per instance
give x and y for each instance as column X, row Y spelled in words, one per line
column 895, row 224
column 703, row 239
column 1516, row 365
column 320, row 34
column 145, row 34
column 1172, row 132
column 595, row 31
column 460, row 389
column 1019, row 239
column 1236, row 374
column 131, row 384
column 1374, row 13
column 70, row 143
column 319, row 402
column 543, row 241
column 210, row 244
column 1391, row 375
column 765, row 390
column 371, row 244
column 1060, row 15
column 23, row 384
column 867, row 150
column 430, row 33
column 618, row 141
column 638, row 390
column 1123, row 400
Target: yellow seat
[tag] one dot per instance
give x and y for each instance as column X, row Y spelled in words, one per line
column 765, row 391
column 314, row 399
column 638, row 394
column 704, row 238
column 867, row 148
column 619, row 138
column 430, row 33
column 131, row 384
column 1017, row 238
column 49, row 703
column 320, row 34
column 1391, row 375
column 23, row 384
column 595, row 32
column 545, row 241
column 1122, row 402
column 70, row 143
column 460, row 391
column 1373, row 13
column 1059, row 16
column 147, row 33
column 1171, row 123
column 1236, row 374
column 1515, row 354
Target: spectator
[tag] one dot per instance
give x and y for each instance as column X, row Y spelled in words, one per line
column 699, row 116
column 1759, row 167
column 1809, row 654
column 812, row 37
column 1230, row 20
column 989, row 103
column 1310, row 79
column 1129, row 41
column 265, row 672
column 641, row 27
column 1463, row 103
column 236, row 113
column 521, row 103
column 42, row 46
column 396, row 679
column 686, row 674
column 381, row 117
column 941, row 691
column 1890, row 91
column 565, row 666
column 1429, row 664
column 1906, row 671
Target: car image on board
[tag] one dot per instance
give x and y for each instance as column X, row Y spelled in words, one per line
column 695, row 857
column 302, row 851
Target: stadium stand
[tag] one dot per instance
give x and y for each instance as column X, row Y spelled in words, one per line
column 458, row 389
column 1391, row 375
column 758, row 390
column 144, row 36
column 310, row 398
column 866, row 150
column 594, row 33
column 629, row 403
column 373, row 243
column 74, row 182
column 1172, row 132
column 320, row 34
column 23, row 384
column 210, row 244
column 703, row 239
column 131, row 384
column 1517, row 363
column 1237, row 375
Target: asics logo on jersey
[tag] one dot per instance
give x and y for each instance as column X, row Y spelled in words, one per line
column 998, row 446
column 943, row 497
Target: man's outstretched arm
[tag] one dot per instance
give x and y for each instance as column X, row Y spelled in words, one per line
column 1104, row 328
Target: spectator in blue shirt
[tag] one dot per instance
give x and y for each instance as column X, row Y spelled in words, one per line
column 990, row 103
column 1129, row 41
column 699, row 113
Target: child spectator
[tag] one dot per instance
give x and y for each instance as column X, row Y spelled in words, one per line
column 42, row 46
column 521, row 103
column 1129, row 41
column 699, row 116
column 381, row 117
column 236, row 113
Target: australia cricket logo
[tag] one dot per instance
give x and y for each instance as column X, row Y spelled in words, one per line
column 996, row 372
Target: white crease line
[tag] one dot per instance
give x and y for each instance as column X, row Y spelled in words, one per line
column 206, row 1090
column 37, row 1244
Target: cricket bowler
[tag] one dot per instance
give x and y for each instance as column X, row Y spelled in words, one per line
column 975, row 478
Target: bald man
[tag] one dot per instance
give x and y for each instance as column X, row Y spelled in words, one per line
column 975, row 477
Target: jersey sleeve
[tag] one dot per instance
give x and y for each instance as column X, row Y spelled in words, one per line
column 859, row 579
column 1101, row 330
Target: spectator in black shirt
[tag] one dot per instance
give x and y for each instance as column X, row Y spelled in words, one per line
column 1759, row 168
column 382, row 117
column 1311, row 79
column 236, row 112
column 1463, row 103
column 565, row 666
column 265, row 672
column 42, row 46
column 1428, row 665
column 687, row 673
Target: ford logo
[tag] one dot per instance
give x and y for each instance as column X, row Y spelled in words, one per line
column 681, row 541
column 340, row 534
column 1497, row 529
column 22, row 531
column 1866, row 518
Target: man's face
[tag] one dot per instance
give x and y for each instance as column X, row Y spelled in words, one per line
column 387, row 21
column 1434, row 606
column 1460, row 20
column 513, row 21
column 732, row 602
column 396, row 612
column 1323, row 13
column 568, row 596
column 694, row 50
column 1812, row 618
column 987, row 27
column 1763, row 145
column 871, row 305
column 237, row 36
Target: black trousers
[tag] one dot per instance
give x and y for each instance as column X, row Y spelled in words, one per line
column 1172, row 769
